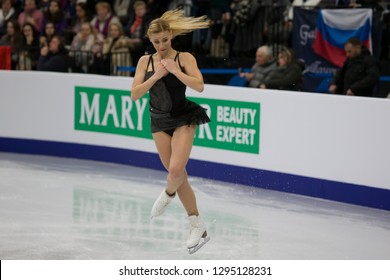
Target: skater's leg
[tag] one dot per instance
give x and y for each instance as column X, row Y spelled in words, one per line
column 169, row 151
column 163, row 145
column 181, row 145
column 187, row 197
column 174, row 153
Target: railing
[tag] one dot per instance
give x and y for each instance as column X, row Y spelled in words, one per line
column 98, row 63
column 234, row 71
column 120, row 64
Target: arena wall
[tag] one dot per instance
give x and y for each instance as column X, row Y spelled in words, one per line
column 319, row 145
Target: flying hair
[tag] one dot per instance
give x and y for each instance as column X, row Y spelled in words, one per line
column 178, row 23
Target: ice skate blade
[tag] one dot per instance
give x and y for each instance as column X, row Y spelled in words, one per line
column 200, row 245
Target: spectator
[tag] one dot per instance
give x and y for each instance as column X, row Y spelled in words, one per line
column 43, row 5
column 264, row 65
column 53, row 57
column 50, row 32
column 12, row 38
column 7, row 12
column 359, row 74
column 29, row 54
column 288, row 74
column 247, row 27
column 276, row 22
column 31, row 14
column 136, row 28
column 81, row 15
column 122, row 8
column 218, row 12
column 69, row 8
column 86, row 48
column 56, row 15
column 103, row 18
column 116, row 51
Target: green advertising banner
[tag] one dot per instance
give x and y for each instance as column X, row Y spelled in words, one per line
column 235, row 125
column 111, row 111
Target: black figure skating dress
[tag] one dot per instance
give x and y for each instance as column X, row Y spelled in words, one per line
column 169, row 107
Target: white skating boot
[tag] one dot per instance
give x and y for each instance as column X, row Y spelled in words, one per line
column 161, row 204
column 198, row 234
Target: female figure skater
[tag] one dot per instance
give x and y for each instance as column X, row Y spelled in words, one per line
column 166, row 74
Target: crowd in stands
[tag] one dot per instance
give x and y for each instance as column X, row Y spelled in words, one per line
column 97, row 36
column 358, row 76
column 94, row 36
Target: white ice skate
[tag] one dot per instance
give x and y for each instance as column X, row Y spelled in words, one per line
column 161, row 204
column 198, row 234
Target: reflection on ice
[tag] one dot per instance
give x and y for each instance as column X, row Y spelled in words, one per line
column 56, row 208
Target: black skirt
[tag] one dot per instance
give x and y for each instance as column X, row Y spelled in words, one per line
column 190, row 114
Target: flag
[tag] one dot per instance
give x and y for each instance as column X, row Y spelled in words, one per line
column 335, row 27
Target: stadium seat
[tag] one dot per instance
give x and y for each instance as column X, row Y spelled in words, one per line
column 237, row 81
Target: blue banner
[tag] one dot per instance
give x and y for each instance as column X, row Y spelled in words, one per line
column 304, row 27
column 318, row 71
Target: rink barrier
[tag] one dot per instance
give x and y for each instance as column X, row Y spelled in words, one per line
column 277, row 181
column 235, row 71
column 323, row 146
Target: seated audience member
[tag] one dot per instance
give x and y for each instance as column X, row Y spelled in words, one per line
column 12, row 38
column 263, row 66
column 82, row 15
column 288, row 75
column 122, row 9
column 56, row 15
column 49, row 33
column 31, row 14
column 116, row 51
column 103, row 18
column 7, row 12
column 29, row 53
column 360, row 73
column 53, row 57
column 85, row 49
column 136, row 28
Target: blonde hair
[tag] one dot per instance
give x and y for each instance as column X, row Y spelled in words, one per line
column 178, row 23
column 120, row 28
column 139, row 4
column 288, row 54
column 103, row 4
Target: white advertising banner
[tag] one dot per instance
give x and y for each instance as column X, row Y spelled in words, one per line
column 337, row 138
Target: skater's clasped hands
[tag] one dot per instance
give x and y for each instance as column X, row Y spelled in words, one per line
column 161, row 71
column 170, row 65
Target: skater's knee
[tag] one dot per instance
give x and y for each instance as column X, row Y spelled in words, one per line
column 176, row 172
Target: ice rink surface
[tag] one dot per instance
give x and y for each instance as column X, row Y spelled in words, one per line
column 59, row 208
